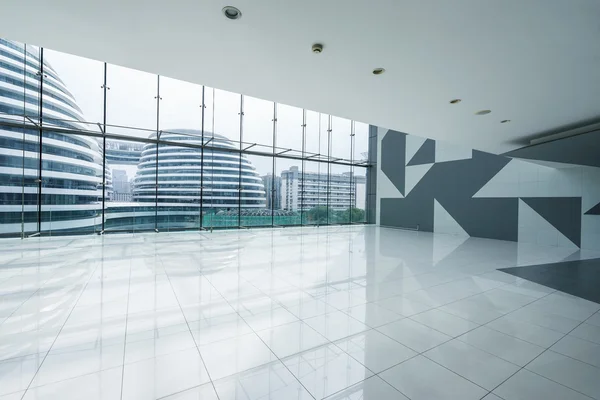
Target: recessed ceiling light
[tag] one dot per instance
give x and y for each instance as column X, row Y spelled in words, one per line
column 231, row 12
column 455, row 101
column 378, row 71
column 317, row 48
column 483, row 112
column 504, row 121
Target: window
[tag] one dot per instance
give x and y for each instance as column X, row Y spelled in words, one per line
column 131, row 106
column 173, row 155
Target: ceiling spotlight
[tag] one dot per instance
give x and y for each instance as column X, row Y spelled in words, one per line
column 483, row 112
column 231, row 12
column 504, row 121
column 378, row 71
column 455, row 101
column 317, row 48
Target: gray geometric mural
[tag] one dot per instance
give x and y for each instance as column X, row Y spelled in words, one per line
column 425, row 154
column 594, row 210
column 582, row 149
column 393, row 160
column 563, row 213
column 449, row 187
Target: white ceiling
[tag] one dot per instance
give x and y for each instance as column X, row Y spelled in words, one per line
column 535, row 62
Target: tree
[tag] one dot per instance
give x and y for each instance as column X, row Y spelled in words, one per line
column 318, row 214
column 358, row 215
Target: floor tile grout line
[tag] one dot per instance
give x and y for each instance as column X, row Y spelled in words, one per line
column 524, row 340
column 375, row 302
column 456, row 316
column 545, row 350
column 125, row 335
column 454, row 301
column 277, row 357
column 375, row 374
column 464, row 298
column 575, row 337
column 65, row 379
column 261, row 339
column 488, row 322
column 456, row 338
column 190, row 331
column 60, row 330
column 572, row 358
column 57, row 270
column 330, row 396
column 416, row 301
column 541, row 326
column 422, row 353
column 533, row 299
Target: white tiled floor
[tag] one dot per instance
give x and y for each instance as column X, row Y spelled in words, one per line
column 298, row 313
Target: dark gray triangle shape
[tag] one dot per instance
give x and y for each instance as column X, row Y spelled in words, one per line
column 425, row 154
column 393, row 158
column 594, row 210
column 563, row 213
column 579, row 278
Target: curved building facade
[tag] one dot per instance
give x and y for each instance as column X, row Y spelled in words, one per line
column 71, row 165
column 187, row 184
column 186, row 179
column 182, row 169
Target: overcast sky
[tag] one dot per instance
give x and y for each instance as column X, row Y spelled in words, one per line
column 131, row 101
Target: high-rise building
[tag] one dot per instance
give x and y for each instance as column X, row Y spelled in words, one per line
column 121, row 185
column 273, row 191
column 303, row 191
column 69, row 169
column 120, row 181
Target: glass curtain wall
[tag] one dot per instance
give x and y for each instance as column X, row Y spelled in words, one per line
column 88, row 147
column 72, row 164
column 290, row 133
column 257, row 137
column 359, row 165
column 20, row 139
column 179, row 166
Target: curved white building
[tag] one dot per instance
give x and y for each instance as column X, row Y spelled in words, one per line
column 181, row 171
column 71, row 165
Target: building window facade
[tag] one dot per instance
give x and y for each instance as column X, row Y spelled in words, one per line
column 141, row 152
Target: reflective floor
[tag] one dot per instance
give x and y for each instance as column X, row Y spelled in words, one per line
column 349, row 312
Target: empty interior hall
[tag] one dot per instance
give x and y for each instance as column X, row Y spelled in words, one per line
column 300, row 200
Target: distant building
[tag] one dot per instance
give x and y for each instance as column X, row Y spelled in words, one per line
column 273, row 191
column 121, row 181
column 121, row 185
column 303, row 191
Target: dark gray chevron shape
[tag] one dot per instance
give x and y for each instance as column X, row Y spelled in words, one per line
column 425, row 154
column 393, row 158
column 563, row 213
column 580, row 149
column 453, row 185
column 594, row 210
